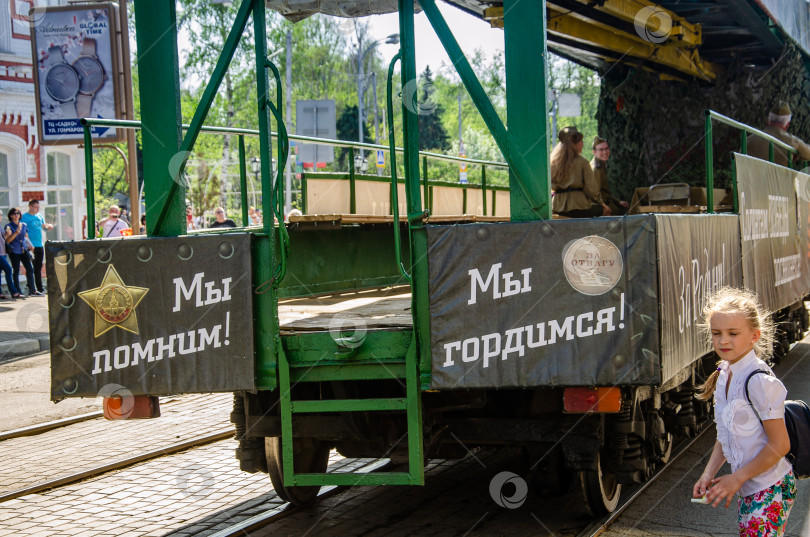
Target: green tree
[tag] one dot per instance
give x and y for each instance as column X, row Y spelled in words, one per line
column 432, row 134
column 347, row 130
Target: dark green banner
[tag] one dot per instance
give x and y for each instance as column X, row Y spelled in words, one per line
column 554, row 303
column 697, row 254
column 772, row 260
column 150, row 316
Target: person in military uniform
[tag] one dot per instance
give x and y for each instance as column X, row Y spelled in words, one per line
column 778, row 121
column 601, row 154
column 576, row 190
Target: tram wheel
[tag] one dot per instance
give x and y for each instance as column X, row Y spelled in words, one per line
column 602, row 490
column 309, row 456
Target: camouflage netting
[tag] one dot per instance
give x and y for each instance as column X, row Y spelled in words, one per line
column 655, row 128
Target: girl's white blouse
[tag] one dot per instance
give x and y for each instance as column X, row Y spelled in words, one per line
column 738, row 429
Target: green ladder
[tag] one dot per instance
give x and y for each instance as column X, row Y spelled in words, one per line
column 342, row 370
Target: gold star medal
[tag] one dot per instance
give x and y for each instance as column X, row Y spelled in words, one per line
column 114, row 303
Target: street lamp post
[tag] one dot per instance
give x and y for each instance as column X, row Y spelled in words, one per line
column 392, row 39
column 256, row 167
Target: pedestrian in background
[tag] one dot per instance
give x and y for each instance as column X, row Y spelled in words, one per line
column 190, row 219
column 778, row 123
column 255, row 219
column 36, row 223
column 751, row 431
column 221, row 221
column 112, row 226
column 15, row 233
column 5, row 266
column 576, row 191
column 601, row 154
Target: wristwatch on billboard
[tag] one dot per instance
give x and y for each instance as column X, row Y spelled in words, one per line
column 61, row 81
column 91, row 76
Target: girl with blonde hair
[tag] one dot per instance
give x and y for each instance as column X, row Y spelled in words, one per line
column 752, row 436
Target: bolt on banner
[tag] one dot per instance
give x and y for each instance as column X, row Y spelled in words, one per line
column 155, row 316
column 544, row 303
column 76, row 71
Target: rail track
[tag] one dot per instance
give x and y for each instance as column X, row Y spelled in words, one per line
column 117, row 465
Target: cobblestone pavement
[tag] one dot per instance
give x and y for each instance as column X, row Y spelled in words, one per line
column 67, row 450
column 23, row 326
column 196, row 492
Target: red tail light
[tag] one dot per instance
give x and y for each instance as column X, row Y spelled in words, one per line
column 581, row 400
column 130, row 407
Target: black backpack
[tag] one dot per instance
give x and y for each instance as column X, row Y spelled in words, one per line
column 797, row 421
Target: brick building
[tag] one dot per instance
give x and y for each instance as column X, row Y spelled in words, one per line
column 53, row 174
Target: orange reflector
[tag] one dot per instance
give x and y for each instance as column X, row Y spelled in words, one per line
column 580, row 400
column 131, row 407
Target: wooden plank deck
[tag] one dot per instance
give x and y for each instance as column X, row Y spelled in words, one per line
column 385, row 219
column 374, row 308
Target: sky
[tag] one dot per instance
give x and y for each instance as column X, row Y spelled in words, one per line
column 470, row 32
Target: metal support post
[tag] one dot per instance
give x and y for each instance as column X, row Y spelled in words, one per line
column 159, row 70
column 525, row 58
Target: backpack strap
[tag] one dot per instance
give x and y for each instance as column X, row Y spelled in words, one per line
column 747, row 397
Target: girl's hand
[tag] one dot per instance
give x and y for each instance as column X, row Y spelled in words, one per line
column 702, row 486
column 723, row 487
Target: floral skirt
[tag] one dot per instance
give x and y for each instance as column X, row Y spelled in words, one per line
column 764, row 513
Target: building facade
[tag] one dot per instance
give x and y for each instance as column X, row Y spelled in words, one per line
column 52, row 174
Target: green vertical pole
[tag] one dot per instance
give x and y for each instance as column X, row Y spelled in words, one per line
column 158, row 65
column 243, row 179
column 484, row 188
column 709, row 165
column 770, row 151
column 464, row 201
column 419, row 364
column 734, row 184
column 426, row 179
column 303, row 193
column 744, row 143
column 265, row 320
column 88, row 182
column 352, row 191
column 525, row 60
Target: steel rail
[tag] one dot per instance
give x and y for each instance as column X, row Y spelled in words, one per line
column 597, row 528
column 263, row 520
column 117, row 465
column 48, row 426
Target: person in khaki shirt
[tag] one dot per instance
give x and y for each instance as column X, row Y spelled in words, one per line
column 778, row 121
column 576, row 190
column 601, row 154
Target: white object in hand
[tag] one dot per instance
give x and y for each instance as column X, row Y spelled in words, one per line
column 703, row 499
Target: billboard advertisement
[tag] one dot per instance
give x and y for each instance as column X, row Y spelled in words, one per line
column 75, row 55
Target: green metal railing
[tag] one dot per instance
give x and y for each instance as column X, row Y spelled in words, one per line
column 745, row 130
column 88, row 123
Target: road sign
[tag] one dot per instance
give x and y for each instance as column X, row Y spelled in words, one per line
column 462, row 166
column 462, row 177
column 380, row 158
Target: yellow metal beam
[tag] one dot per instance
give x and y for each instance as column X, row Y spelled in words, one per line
column 674, row 56
column 494, row 15
column 654, row 19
